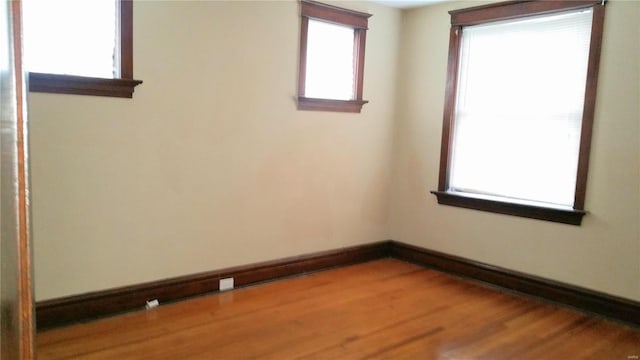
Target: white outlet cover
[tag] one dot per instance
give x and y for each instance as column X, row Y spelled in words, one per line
column 226, row 284
column 152, row 304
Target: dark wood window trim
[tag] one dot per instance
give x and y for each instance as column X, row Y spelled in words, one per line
column 504, row 11
column 333, row 14
column 83, row 85
column 562, row 215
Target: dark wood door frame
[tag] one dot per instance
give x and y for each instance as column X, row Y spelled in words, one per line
column 16, row 292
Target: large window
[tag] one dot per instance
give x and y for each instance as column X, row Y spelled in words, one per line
column 79, row 46
column 519, row 109
column 332, row 43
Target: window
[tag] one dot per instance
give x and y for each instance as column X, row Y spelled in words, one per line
column 79, row 46
column 332, row 42
column 520, row 97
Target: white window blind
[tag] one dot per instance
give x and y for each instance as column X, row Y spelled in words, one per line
column 329, row 68
column 519, row 107
column 71, row 37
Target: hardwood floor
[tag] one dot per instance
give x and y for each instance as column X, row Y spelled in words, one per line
column 381, row 309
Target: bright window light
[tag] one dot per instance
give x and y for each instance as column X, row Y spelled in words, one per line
column 519, row 107
column 71, row 37
column 330, row 65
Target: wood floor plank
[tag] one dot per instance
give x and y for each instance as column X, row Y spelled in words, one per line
column 380, row 309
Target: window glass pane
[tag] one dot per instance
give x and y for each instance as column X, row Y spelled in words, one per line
column 519, row 107
column 330, row 63
column 72, row 37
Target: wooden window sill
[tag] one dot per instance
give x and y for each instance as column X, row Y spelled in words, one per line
column 555, row 214
column 353, row 106
column 81, row 85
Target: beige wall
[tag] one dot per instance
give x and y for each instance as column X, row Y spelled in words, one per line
column 210, row 165
column 602, row 254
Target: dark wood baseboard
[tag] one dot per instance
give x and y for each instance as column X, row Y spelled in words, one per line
column 62, row 311
column 90, row 306
column 577, row 297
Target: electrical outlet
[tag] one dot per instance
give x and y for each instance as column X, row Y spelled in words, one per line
column 226, row 284
column 152, row 303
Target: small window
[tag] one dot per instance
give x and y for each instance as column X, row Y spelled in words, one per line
column 519, row 109
column 329, row 77
column 332, row 43
column 79, row 46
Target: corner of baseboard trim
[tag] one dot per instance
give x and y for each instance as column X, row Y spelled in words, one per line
column 90, row 306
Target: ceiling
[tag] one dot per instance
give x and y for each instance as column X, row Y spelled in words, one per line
column 406, row 4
